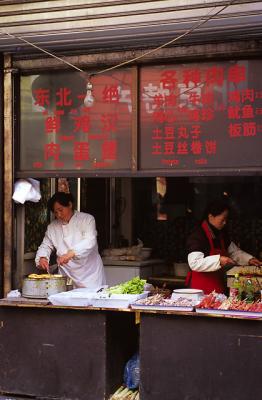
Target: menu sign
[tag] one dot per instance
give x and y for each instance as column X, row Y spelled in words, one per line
column 67, row 126
column 201, row 116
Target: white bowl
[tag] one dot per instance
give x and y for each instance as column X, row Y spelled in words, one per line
column 192, row 294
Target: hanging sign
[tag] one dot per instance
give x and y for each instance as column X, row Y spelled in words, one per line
column 68, row 125
column 201, row 116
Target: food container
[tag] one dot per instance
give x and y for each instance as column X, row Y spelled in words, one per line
column 117, row 300
column 75, row 298
column 191, row 294
column 41, row 288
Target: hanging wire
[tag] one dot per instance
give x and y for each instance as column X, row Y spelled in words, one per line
column 192, row 29
column 41, row 49
column 187, row 32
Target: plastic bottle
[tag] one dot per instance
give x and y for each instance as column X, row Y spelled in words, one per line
column 250, row 291
column 235, row 290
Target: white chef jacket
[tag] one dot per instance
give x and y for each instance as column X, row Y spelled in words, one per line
column 79, row 234
column 198, row 262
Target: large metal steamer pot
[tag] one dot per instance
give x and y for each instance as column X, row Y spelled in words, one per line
column 42, row 288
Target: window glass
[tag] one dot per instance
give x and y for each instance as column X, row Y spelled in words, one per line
column 201, row 116
column 67, row 126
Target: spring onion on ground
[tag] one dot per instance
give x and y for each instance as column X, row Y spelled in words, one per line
column 123, row 393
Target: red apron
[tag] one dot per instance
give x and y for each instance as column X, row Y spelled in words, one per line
column 209, row 281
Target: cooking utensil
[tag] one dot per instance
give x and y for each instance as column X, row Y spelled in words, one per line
column 42, row 288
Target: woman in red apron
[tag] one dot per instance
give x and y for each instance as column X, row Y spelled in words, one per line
column 210, row 251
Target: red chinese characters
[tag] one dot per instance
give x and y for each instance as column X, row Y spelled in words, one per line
column 179, row 96
column 80, row 134
column 193, row 113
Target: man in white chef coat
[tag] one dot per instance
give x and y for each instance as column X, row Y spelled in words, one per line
column 74, row 237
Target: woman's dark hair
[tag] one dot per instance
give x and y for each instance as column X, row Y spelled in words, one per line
column 62, row 198
column 217, row 206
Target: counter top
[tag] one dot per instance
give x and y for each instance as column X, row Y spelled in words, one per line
column 44, row 303
column 23, row 300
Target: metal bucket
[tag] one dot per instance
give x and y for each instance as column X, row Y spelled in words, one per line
column 42, row 288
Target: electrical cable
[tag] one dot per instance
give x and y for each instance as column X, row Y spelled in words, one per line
column 41, row 49
column 187, row 32
column 200, row 23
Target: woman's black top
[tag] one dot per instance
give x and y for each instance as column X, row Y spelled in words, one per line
column 198, row 241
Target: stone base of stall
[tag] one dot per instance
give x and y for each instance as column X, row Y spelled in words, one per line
column 64, row 353
column 199, row 358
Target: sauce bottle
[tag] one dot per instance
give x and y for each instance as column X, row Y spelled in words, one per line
column 235, row 290
column 250, row 292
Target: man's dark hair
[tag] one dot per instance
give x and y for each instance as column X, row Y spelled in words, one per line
column 217, row 206
column 62, row 198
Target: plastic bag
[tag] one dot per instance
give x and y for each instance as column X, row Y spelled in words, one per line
column 26, row 190
column 132, row 372
column 13, row 293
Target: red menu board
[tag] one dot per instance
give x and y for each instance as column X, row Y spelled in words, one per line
column 201, row 116
column 65, row 126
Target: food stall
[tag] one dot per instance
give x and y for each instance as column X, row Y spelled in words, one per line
column 80, row 352
column 192, row 118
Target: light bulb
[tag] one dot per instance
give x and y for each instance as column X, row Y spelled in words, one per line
column 89, row 99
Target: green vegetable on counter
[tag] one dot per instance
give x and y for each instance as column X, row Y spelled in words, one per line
column 134, row 286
